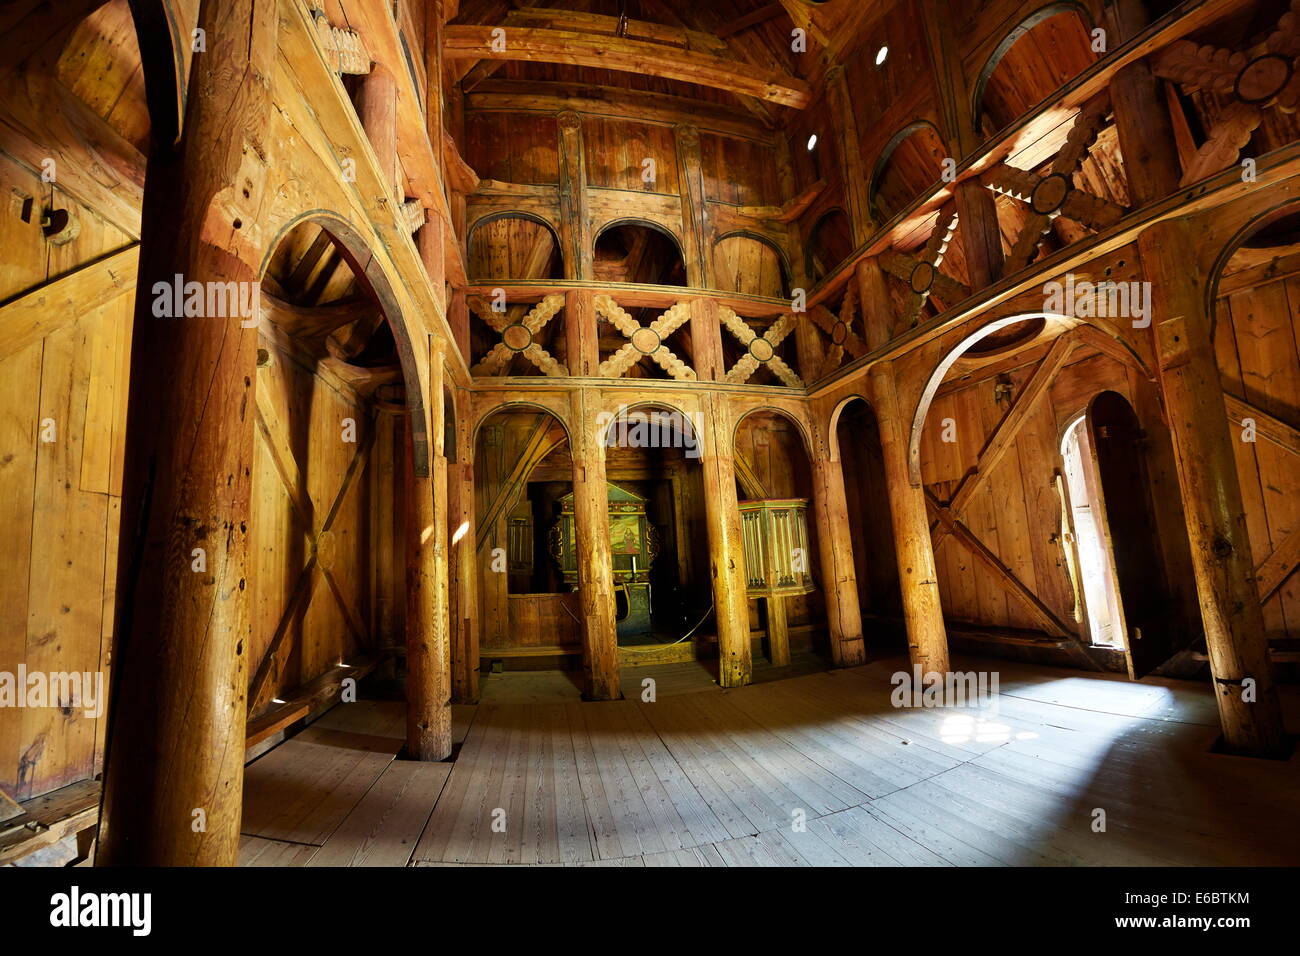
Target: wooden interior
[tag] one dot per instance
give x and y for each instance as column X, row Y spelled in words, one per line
column 327, row 327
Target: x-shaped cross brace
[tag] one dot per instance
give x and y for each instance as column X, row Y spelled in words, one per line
column 922, row 275
column 643, row 340
column 519, row 337
column 1055, row 194
column 761, row 349
column 1264, row 78
column 839, row 329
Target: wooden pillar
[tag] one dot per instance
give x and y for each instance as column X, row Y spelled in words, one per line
column 726, row 546
column 581, row 344
column 458, row 318
column 428, row 719
column 575, row 217
column 977, row 212
column 839, row 579
column 595, row 559
column 927, row 639
column 778, row 632
column 463, row 570
column 1142, row 120
column 377, row 110
column 852, row 175
column 1212, row 502
column 950, row 84
column 706, row 337
column 174, row 769
column 874, row 303
column 695, row 218
column 429, row 242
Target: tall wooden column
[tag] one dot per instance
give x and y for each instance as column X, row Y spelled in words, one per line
column 981, row 233
column 1212, row 502
column 849, row 149
column 463, row 572
column 575, row 217
column 1142, row 120
column 175, row 760
column 695, row 218
column 377, row 110
column 927, row 639
column 839, row 579
column 595, row 559
column 582, row 347
column 874, row 303
column 726, row 546
column 428, row 718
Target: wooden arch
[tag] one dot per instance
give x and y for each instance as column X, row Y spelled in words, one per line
column 660, row 405
column 882, row 161
column 162, row 32
column 1041, row 15
column 498, row 215
column 520, row 404
column 832, row 425
column 799, row 423
column 646, row 224
column 1098, row 332
column 1254, row 225
column 372, row 277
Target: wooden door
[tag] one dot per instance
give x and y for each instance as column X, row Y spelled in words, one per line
column 1128, row 525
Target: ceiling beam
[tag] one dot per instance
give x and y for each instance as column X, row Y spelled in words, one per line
column 751, row 19
column 629, row 56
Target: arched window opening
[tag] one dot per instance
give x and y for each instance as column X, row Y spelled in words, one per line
column 910, row 164
column 638, row 252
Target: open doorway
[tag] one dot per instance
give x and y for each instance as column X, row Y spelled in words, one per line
column 1098, row 590
column 1118, row 550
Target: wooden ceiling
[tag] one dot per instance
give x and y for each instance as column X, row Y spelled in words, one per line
column 741, row 49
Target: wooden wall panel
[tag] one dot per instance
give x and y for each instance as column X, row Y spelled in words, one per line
column 1256, row 335
column 308, row 475
column 59, row 516
column 738, row 171
column 513, row 147
column 616, row 149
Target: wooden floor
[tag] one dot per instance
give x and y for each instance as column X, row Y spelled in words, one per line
column 814, row 770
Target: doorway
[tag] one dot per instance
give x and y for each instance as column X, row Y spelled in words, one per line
column 1121, row 562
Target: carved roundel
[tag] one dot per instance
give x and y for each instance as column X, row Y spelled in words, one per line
column 517, row 337
column 1263, row 78
column 839, row 332
column 922, row 278
column 761, row 349
column 1049, row 195
column 645, row 340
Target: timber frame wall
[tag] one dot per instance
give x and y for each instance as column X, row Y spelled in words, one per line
column 276, row 164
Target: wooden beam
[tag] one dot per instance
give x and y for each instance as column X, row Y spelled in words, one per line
column 1270, row 427
column 629, row 56
column 1006, row 578
column 513, row 96
column 34, row 315
column 752, row 19
column 1004, row 436
column 373, row 20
